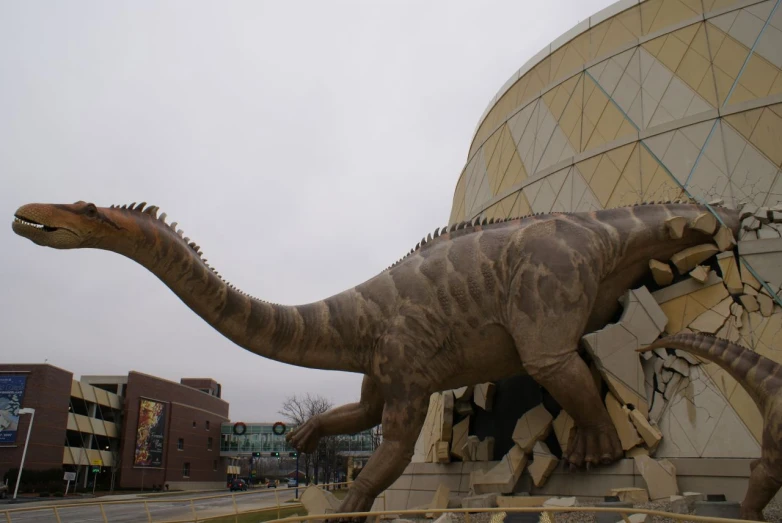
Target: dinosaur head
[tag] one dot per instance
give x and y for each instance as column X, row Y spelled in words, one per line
column 73, row 226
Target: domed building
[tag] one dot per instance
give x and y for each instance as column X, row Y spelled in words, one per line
column 644, row 101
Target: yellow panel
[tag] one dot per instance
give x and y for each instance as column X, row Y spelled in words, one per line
column 88, row 392
column 610, row 122
column 693, row 69
column 631, row 20
column 707, row 88
column 723, row 84
column 520, row 207
column 649, row 10
column 671, row 12
column 575, row 137
column 777, row 108
column 776, row 88
column 700, row 43
column 654, row 46
column 595, row 140
column 758, row 76
column 593, row 108
column 624, row 194
column 657, row 183
column 83, row 423
column 632, row 170
column 626, row 129
column 740, row 94
column 621, row 155
column 72, row 422
column 714, row 36
column 672, row 53
column 768, row 136
column 491, row 150
column 674, row 311
column 617, row 36
column 686, row 34
column 515, row 172
column 587, row 167
column 492, row 212
column 744, row 122
column 457, row 209
column 604, row 180
column 730, row 57
column 747, row 411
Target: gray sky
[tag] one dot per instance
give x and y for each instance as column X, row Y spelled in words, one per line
column 305, row 146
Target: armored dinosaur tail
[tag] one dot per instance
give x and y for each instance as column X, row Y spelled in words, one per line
column 761, row 377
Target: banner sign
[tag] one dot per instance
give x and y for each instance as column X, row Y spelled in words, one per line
column 11, row 394
column 150, row 433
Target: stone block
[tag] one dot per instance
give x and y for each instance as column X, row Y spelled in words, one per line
column 730, row 274
column 628, row 396
column 708, row 322
column 446, row 426
column 485, row 449
column 651, row 435
column 442, row 454
column 447, row 517
column 481, row 501
column 470, row 448
column 636, row 451
column 658, row 406
column 503, row 476
column 484, row 396
column 672, row 386
column 724, row 239
column 749, row 302
column 319, row 501
column 748, row 279
column 747, row 210
column 459, row 438
column 705, row 222
column 677, row 364
column 689, row 358
column 619, row 416
column 439, row 500
column 659, row 476
column 637, row 518
column 766, row 305
column 700, row 273
column 718, row 509
column 689, row 258
column 464, row 408
column 748, row 289
column 676, row 226
column 762, row 215
column 685, row 504
column 661, row 272
column 611, row 517
column 543, row 464
column 565, row 430
column 533, row 426
column 520, row 501
column 633, row 494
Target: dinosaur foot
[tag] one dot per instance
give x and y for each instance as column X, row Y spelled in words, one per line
column 355, row 501
column 752, row 515
column 593, row 446
column 305, row 438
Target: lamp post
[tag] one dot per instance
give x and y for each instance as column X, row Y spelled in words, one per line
column 26, row 442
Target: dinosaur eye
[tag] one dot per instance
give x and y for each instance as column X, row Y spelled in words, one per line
column 91, row 210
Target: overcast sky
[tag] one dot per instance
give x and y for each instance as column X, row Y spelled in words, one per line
column 305, row 146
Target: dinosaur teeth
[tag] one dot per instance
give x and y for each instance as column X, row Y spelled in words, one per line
column 29, row 224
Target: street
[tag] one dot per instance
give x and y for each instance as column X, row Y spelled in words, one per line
column 173, row 507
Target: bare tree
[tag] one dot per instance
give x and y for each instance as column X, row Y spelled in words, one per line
column 299, row 409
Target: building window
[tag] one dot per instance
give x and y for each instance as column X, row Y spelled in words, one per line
column 186, row 469
column 214, row 464
column 209, row 443
column 180, row 444
column 207, row 424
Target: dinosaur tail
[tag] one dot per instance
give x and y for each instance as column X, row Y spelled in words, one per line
column 760, row 376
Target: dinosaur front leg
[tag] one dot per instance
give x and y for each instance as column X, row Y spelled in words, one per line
column 402, row 422
column 762, row 488
column 346, row 419
column 570, row 383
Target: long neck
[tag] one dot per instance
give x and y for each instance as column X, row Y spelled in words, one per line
column 640, row 232
column 305, row 335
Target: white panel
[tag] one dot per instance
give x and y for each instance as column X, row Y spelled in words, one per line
column 656, row 82
column 680, row 157
column 746, row 28
column 770, row 45
column 725, row 21
column 677, row 98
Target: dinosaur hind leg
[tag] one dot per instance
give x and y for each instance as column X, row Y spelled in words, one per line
column 762, row 488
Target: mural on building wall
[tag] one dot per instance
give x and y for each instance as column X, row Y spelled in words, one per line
column 11, row 394
column 150, row 433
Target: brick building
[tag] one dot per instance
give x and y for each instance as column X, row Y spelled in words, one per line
column 138, row 430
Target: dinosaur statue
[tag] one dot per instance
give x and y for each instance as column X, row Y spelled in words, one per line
column 478, row 301
column 761, row 377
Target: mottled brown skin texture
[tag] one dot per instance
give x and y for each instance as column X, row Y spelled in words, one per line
column 477, row 303
column 761, row 377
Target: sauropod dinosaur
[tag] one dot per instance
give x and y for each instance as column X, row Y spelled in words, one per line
column 475, row 302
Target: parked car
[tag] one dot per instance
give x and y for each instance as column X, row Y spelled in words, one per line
column 3, row 490
column 272, row 483
column 238, row 484
column 292, row 482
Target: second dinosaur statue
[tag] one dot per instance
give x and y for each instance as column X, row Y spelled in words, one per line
column 478, row 302
column 761, row 377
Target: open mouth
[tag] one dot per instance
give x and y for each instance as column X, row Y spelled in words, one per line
column 29, row 223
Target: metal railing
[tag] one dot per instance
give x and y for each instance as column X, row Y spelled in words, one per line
column 169, row 508
column 547, row 514
column 187, row 510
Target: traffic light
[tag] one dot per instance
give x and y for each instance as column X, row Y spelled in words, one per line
column 256, row 454
column 275, row 454
column 293, row 454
